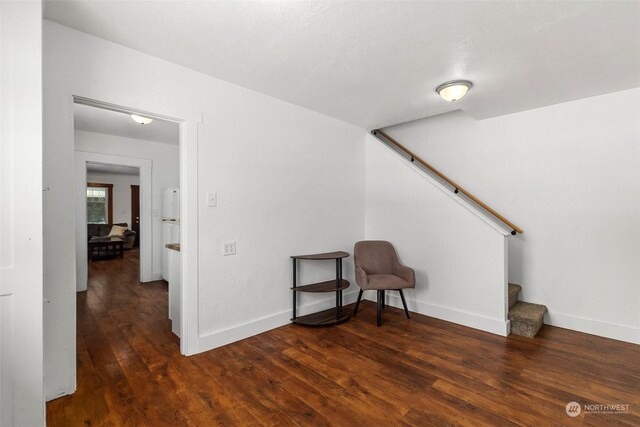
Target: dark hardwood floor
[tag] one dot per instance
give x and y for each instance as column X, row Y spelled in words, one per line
column 421, row 371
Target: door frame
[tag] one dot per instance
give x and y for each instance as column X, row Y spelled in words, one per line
column 146, row 244
column 60, row 329
column 188, row 148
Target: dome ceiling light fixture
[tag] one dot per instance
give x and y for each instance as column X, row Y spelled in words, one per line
column 139, row 119
column 454, row 90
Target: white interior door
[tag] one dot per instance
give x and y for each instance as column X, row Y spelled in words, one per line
column 21, row 281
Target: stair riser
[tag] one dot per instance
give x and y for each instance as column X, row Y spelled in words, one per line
column 526, row 318
column 525, row 329
column 513, row 299
column 514, row 290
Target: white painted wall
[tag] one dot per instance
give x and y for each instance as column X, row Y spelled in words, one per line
column 459, row 258
column 121, row 192
column 21, row 319
column 289, row 181
column 165, row 173
column 568, row 175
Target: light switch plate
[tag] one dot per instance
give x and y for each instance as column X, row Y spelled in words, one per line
column 212, row 200
column 229, row 247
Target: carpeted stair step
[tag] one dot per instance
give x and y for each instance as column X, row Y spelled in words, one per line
column 526, row 318
column 514, row 290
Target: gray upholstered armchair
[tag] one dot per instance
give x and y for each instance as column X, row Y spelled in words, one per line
column 378, row 268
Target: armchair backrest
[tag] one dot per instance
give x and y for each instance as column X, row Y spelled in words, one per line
column 375, row 256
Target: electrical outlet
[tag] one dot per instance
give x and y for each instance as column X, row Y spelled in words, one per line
column 229, row 248
column 212, row 200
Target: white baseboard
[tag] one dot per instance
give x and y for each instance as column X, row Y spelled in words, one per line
column 257, row 326
column 52, row 395
column 156, row 275
column 593, row 327
column 472, row 320
column 496, row 326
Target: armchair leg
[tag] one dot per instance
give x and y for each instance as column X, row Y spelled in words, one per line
column 384, row 299
column 379, row 318
column 404, row 303
column 355, row 310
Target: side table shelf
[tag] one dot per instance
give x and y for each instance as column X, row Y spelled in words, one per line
column 331, row 316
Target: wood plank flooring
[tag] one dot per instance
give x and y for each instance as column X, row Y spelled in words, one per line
column 421, row 371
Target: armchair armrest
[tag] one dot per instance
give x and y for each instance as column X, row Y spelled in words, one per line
column 361, row 277
column 404, row 272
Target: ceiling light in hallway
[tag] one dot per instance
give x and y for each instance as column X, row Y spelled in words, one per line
column 454, row 90
column 141, row 120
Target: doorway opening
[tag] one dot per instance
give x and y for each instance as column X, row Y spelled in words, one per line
column 113, row 215
column 122, row 167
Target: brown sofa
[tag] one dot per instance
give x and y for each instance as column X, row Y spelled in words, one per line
column 102, row 230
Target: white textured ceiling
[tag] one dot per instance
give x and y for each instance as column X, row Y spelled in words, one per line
column 93, row 119
column 376, row 63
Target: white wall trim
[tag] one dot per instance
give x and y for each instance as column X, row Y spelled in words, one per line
column 257, row 326
column 189, row 280
column 593, row 327
column 156, row 275
column 462, row 202
column 472, row 320
column 60, row 273
column 146, row 220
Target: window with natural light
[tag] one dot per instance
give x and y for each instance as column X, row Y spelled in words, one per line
column 97, row 205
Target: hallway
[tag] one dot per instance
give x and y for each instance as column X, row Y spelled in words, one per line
column 124, row 340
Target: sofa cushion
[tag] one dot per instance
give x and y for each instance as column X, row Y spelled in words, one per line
column 93, row 230
column 117, row 231
column 103, row 230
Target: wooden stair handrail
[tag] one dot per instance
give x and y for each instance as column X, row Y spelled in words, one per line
column 458, row 188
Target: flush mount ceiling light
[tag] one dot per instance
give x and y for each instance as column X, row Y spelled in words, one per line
column 140, row 119
column 454, row 89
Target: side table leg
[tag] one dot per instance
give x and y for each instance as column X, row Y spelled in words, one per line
column 337, row 291
column 340, row 276
column 294, row 289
